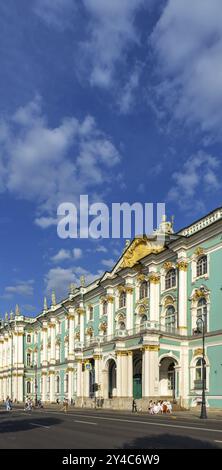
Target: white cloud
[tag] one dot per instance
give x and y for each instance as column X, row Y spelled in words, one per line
column 111, row 31
column 187, row 41
column 56, row 13
column 77, row 253
column 59, row 279
column 101, row 249
column 109, row 263
column 53, row 165
column 20, row 288
column 197, row 177
column 61, row 256
column 127, row 94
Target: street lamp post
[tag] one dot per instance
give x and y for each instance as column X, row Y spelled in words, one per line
column 203, row 414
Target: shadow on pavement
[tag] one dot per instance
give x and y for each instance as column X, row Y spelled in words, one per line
column 168, row 441
column 16, row 425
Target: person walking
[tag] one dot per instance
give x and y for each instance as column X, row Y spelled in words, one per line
column 134, row 406
column 65, row 405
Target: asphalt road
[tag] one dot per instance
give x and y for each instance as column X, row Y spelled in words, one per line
column 98, row 429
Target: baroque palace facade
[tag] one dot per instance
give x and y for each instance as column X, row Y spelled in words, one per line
column 135, row 332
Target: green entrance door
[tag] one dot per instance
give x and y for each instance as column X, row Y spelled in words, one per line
column 137, row 386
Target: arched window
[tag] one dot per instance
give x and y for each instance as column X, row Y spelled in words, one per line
column 170, row 319
column 200, row 373
column 105, row 304
column 202, row 266
column 66, row 383
column 28, row 359
column 28, row 387
column 122, row 325
column 90, row 313
column 202, row 314
column 28, row 338
column 57, row 384
column 143, row 290
column 122, row 299
column 170, row 279
column 143, row 319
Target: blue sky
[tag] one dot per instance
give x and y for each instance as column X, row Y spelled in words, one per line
column 118, row 100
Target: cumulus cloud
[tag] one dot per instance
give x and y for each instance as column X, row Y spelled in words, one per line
column 127, row 95
column 56, row 13
column 111, row 32
column 187, row 41
column 59, row 279
column 109, row 263
column 19, row 288
column 197, row 177
column 53, row 165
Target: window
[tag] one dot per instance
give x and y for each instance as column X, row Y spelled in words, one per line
column 170, row 319
column 105, row 304
column 90, row 313
column 202, row 266
column 171, row 376
column 28, row 359
column 66, row 383
column 122, row 299
column 200, row 373
column 143, row 290
column 28, row 338
column 28, row 387
column 57, row 384
column 170, row 279
column 121, row 325
column 143, row 319
column 202, row 315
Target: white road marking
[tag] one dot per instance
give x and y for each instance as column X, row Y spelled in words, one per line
column 85, row 422
column 218, row 441
column 40, row 425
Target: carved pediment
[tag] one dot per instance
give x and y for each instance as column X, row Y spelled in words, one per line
column 139, row 248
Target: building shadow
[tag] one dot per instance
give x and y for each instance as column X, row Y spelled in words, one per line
column 168, row 441
column 16, row 425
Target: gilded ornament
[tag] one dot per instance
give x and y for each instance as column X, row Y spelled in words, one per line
column 154, row 278
column 199, row 251
column 167, row 265
column 182, row 265
column 138, row 249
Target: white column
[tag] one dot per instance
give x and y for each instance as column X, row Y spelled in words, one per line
column 129, row 307
column 182, row 304
column 154, row 296
column 86, row 383
column 44, row 341
column 79, row 378
column 81, row 312
column 184, row 375
column 130, row 373
column 119, row 374
column 124, row 371
column 44, row 386
column 70, row 383
column 110, row 300
column 98, row 376
column 53, row 345
column 150, row 371
column 71, row 335
column 52, row 386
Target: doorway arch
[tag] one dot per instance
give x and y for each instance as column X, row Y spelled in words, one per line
column 167, row 377
column 137, row 375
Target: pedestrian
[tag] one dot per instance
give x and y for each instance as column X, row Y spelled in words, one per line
column 65, row 405
column 134, row 406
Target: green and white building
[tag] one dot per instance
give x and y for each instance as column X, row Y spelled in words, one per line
column 132, row 333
